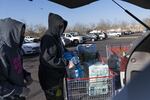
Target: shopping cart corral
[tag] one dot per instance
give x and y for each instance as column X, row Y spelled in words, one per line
column 95, row 88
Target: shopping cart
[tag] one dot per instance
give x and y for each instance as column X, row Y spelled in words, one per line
column 95, row 88
column 99, row 81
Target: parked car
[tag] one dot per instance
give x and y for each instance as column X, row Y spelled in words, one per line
column 127, row 33
column 65, row 41
column 29, row 47
column 75, row 37
column 91, row 37
column 114, row 34
column 101, row 35
column 29, row 38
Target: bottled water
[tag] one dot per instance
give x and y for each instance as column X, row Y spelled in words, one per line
column 77, row 71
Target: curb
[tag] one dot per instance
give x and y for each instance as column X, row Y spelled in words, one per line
column 132, row 37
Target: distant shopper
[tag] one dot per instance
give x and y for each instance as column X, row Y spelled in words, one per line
column 52, row 64
column 12, row 74
column 114, row 65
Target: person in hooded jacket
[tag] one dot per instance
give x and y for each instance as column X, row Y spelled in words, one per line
column 52, row 64
column 12, row 74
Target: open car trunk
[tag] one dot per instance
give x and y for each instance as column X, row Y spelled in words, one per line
column 79, row 3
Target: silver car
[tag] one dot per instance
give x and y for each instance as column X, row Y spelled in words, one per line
column 29, row 47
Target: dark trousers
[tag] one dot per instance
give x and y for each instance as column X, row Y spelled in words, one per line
column 55, row 93
column 117, row 82
column 15, row 98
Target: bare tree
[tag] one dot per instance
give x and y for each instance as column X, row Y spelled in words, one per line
column 40, row 29
column 103, row 25
column 30, row 30
column 91, row 27
column 147, row 21
column 81, row 28
column 68, row 29
column 35, row 30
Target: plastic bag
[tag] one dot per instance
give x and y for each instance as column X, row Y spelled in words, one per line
column 76, row 71
column 87, row 52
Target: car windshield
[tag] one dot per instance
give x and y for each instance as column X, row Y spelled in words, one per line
column 75, row 34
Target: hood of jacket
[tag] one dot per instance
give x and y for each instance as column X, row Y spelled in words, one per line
column 56, row 25
column 11, row 32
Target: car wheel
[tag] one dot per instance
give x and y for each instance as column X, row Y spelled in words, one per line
column 119, row 35
column 92, row 40
column 75, row 42
column 101, row 38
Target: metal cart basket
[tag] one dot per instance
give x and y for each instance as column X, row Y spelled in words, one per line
column 95, row 88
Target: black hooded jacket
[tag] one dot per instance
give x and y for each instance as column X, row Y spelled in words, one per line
column 11, row 68
column 52, row 64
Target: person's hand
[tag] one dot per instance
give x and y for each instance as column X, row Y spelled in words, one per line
column 29, row 80
column 70, row 65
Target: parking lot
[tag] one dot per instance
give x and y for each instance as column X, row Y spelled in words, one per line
column 31, row 63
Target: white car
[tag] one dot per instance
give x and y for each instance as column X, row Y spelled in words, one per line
column 29, row 38
column 114, row 34
column 101, row 35
column 65, row 41
column 75, row 37
column 91, row 37
column 30, row 48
